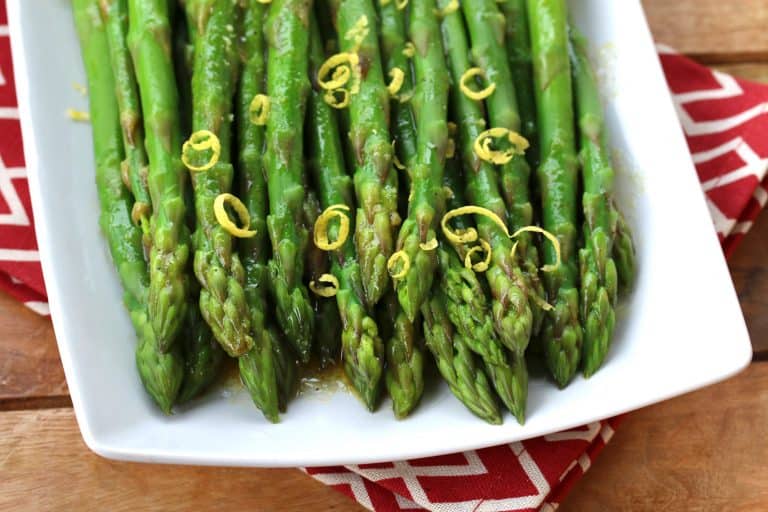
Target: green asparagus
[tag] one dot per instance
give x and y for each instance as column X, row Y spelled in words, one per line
column 486, row 27
column 114, row 14
column 558, row 180
column 624, row 253
column 597, row 268
column 511, row 312
column 467, row 308
column 149, row 39
column 202, row 354
column 456, row 362
column 430, row 105
column 405, row 360
column 287, row 30
column 375, row 182
column 217, row 266
column 161, row 373
column 362, row 348
column 268, row 374
column 519, row 54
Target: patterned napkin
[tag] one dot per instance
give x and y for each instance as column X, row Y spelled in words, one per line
column 728, row 136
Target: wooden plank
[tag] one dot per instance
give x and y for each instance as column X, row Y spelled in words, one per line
column 705, row 451
column 750, row 276
column 754, row 71
column 46, row 466
column 711, row 30
column 29, row 360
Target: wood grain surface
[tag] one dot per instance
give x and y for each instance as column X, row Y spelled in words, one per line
column 704, row 451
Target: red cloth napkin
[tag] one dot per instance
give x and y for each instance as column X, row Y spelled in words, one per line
column 728, row 135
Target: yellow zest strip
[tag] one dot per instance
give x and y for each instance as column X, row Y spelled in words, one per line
column 430, row 245
column 480, row 266
column 78, row 115
column 223, row 218
column 259, row 109
column 452, row 6
column 469, row 235
column 330, row 289
column 265, row 2
column 321, row 227
column 80, row 88
column 398, row 77
column 392, row 261
column 450, row 150
column 552, row 238
column 409, row 50
column 341, row 64
column 201, row 140
column 358, row 32
column 400, row 4
column 331, row 99
column 469, row 93
column 482, row 146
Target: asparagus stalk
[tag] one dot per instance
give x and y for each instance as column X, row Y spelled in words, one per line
column 362, row 348
column 375, row 183
column 287, row 30
column 510, row 309
column 558, row 178
column 511, row 312
column 114, row 14
column 149, row 39
column 486, row 27
column 327, row 337
column 264, row 367
column 467, row 308
column 202, row 354
column 456, row 362
column 161, row 373
column 597, row 268
column 216, row 264
column 430, row 104
column 518, row 41
column 405, row 360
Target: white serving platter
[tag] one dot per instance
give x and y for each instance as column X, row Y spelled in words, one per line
column 681, row 329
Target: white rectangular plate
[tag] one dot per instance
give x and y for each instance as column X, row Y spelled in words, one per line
column 683, row 328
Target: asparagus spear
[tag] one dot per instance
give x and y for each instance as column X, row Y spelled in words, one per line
column 430, row 103
column 557, row 174
column 217, row 266
column 467, row 308
column 486, row 27
column 394, row 54
column 268, row 370
column 456, row 362
column 597, row 268
column 362, row 348
column 405, row 360
column 375, row 183
column 327, row 337
column 149, row 39
column 287, row 30
column 202, row 354
column 161, row 373
column 114, row 14
column 519, row 55
column 511, row 312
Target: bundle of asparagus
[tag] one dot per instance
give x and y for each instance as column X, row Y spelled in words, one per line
column 357, row 177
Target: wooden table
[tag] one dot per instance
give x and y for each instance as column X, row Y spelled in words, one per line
column 703, row 451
